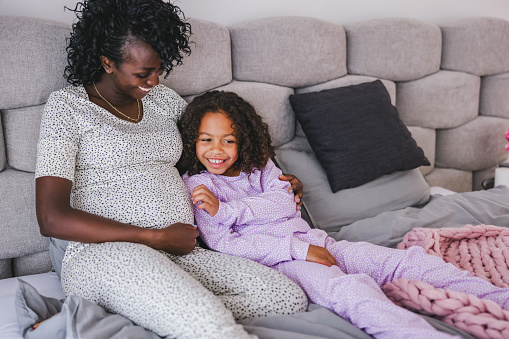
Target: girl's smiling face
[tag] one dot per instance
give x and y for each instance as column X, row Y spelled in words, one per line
column 216, row 146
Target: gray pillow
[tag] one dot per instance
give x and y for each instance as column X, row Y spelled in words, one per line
column 329, row 211
column 356, row 133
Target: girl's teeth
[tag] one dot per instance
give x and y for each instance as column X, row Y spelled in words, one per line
column 214, row 161
column 144, row 89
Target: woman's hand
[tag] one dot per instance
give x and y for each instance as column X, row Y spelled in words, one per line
column 209, row 201
column 320, row 255
column 295, row 186
column 178, row 238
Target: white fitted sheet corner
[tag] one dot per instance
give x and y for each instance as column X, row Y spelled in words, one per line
column 47, row 284
column 440, row 190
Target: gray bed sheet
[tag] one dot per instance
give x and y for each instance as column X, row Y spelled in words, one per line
column 490, row 207
column 79, row 318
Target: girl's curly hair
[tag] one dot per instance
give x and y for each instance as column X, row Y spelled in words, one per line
column 105, row 26
column 252, row 134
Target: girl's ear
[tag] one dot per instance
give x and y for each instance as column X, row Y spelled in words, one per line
column 107, row 64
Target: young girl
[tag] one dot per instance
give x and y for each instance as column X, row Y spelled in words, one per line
column 242, row 208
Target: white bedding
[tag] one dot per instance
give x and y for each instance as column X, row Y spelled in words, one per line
column 440, row 190
column 47, row 284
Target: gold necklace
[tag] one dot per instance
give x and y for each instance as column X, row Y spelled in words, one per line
column 128, row 117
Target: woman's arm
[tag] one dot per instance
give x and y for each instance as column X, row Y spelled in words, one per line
column 58, row 219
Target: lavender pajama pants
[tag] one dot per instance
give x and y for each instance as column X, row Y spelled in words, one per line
column 352, row 289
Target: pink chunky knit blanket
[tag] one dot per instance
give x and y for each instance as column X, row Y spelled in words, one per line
column 482, row 250
column 482, row 318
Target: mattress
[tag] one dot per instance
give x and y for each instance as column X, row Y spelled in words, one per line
column 47, row 284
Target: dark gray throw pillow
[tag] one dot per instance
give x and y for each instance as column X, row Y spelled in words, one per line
column 356, row 133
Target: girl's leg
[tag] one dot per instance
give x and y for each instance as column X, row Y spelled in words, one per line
column 146, row 287
column 357, row 298
column 386, row 264
column 245, row 287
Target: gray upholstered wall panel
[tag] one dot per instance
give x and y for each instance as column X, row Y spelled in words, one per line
column 471, row 147
column 271, row 102
column 453, row 179
column 18, row 224
column 442, row 100
column 396, row 49
column 209, row 64
column 494, row 99
column 478, row 46
column 31, row 264
column 426, row 139
column 22, row 127
column 2, row 145
column 285, row 51
column 5, row 268
column 33, row 59
column 479, row 176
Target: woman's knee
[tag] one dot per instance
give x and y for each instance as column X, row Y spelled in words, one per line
column 288, row 296
column 270, row 295
column 247, row 288
column 268, row 292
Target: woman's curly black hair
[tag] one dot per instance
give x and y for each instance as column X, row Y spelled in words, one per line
column 105, row 26
column 252, row 134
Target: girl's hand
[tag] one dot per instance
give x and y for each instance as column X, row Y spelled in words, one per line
column 178, row 238
column 209, row 201
column 320, row 255
column 296, row 187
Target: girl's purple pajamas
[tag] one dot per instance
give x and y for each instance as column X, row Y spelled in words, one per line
column 257, row 219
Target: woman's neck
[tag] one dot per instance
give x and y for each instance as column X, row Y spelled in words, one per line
column 104, row 94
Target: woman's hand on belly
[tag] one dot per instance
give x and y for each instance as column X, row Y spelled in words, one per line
column 178, row 238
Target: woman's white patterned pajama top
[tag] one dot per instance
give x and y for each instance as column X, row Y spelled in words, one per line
column 126, row 171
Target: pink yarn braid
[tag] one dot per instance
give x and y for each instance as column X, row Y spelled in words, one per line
column 483, row 250
column 482, row 318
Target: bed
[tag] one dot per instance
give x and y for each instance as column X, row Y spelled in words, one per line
column 86, row 319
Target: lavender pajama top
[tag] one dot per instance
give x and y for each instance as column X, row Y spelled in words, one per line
column 257, row 219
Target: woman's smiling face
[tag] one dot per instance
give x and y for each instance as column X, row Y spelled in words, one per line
column 139, row 71
column 216, row 146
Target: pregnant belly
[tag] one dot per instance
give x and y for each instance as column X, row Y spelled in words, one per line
column 153, row 198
